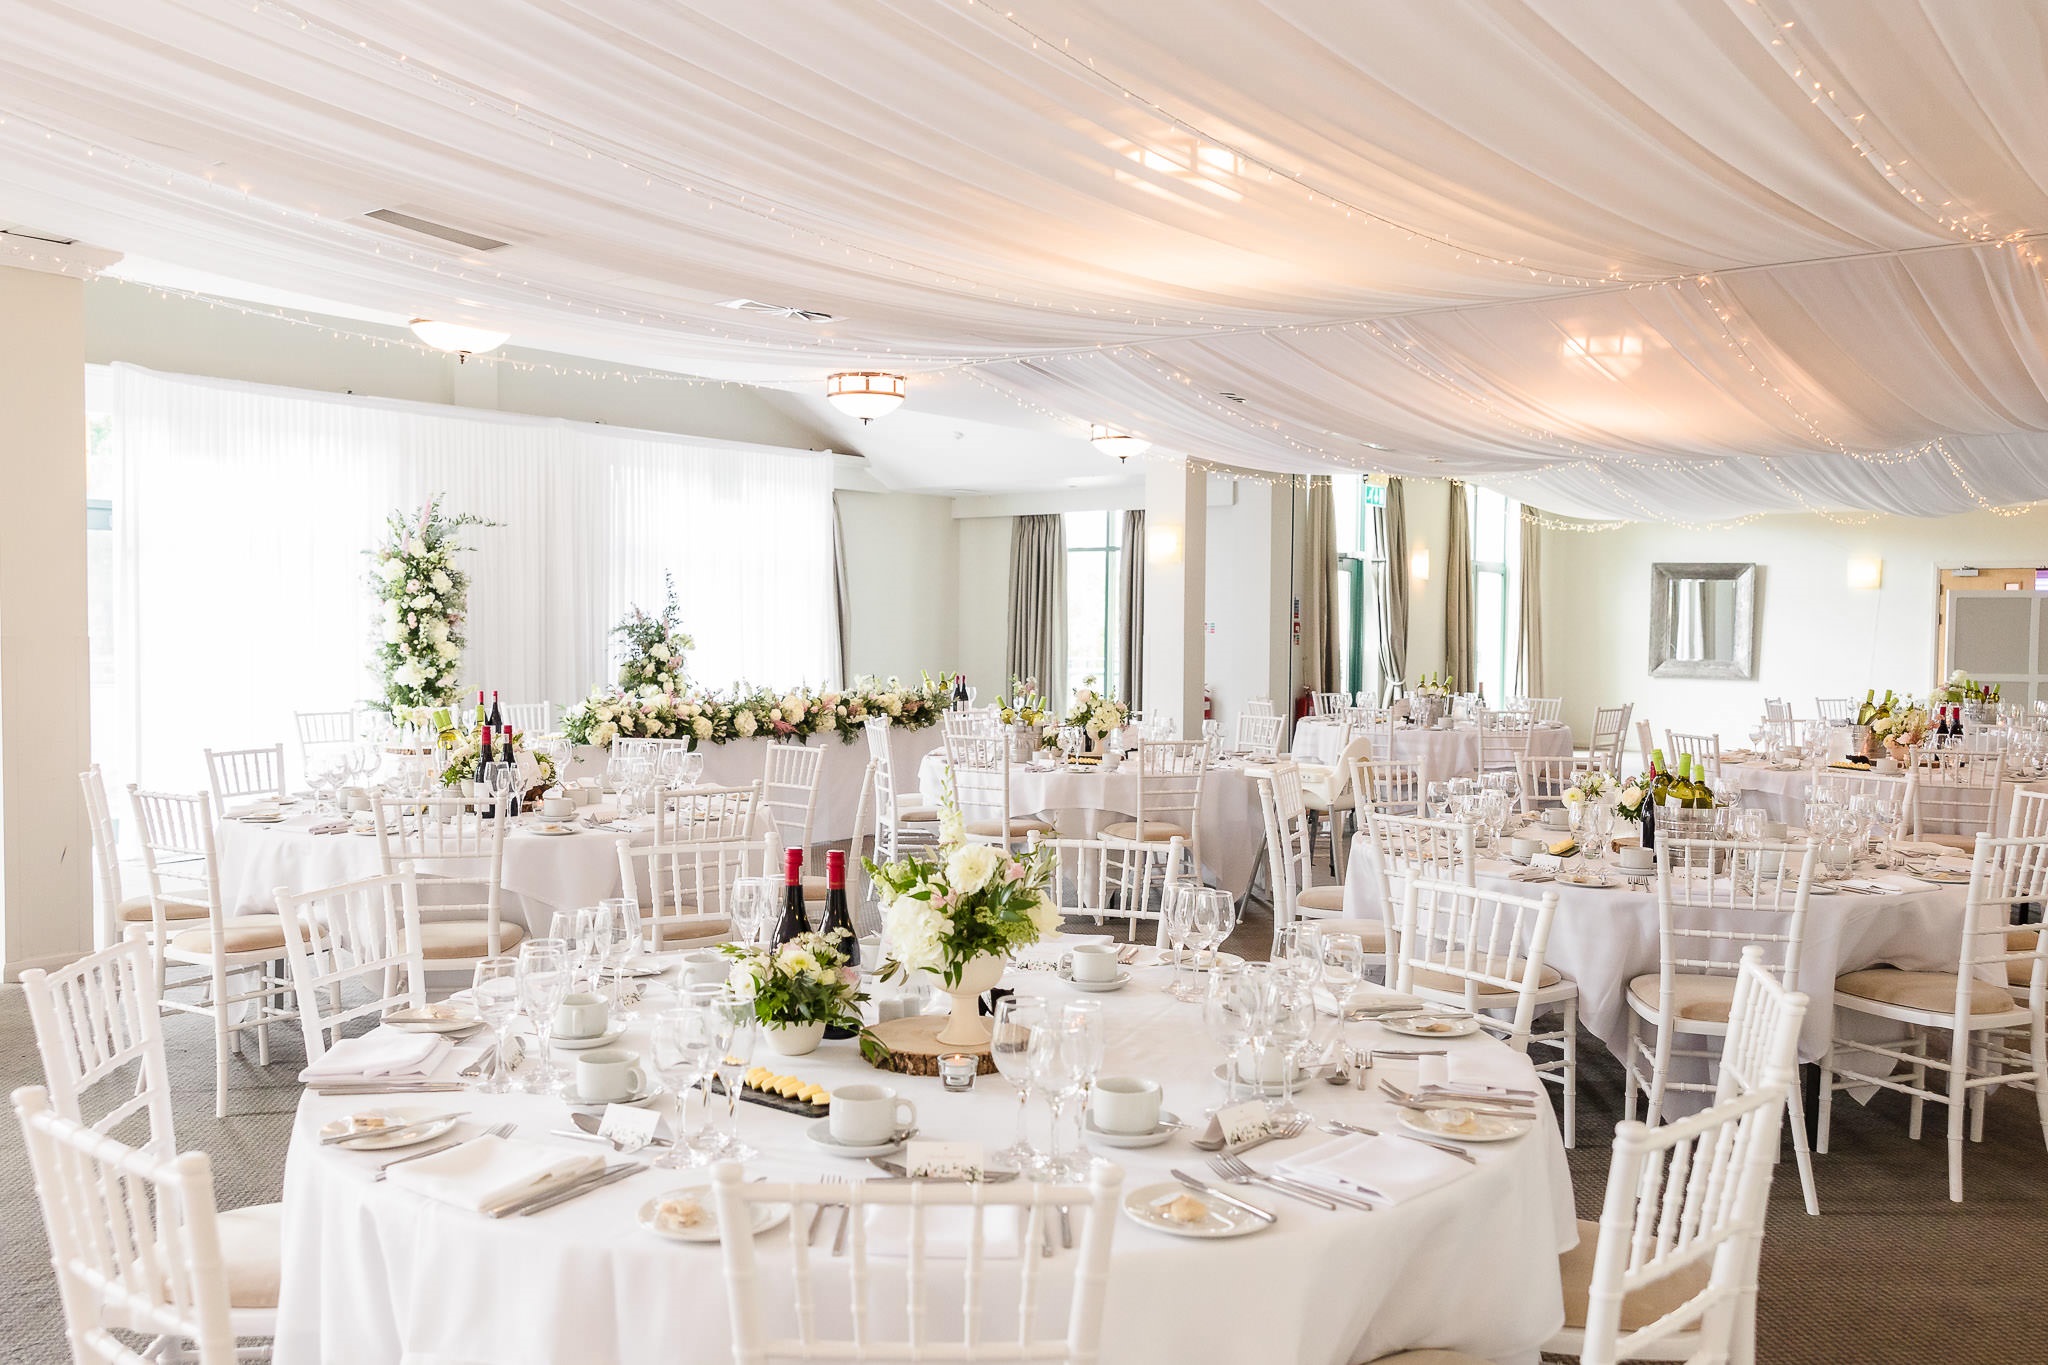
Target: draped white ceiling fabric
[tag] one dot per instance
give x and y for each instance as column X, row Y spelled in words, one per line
column 1689, row 259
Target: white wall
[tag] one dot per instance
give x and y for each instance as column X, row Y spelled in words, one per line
column 1249, row 554
column 1815, row 637
column 983, row 601
column 902, row 556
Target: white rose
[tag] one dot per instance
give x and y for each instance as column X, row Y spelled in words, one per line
column 970, row 866
column 658, row 651
column 701, row 727
column 743, row 723
column 441, row 581
column 393, row 631
column 447, row 648
column 407, row 675
column 744, row 981
column 603, row 734
column 1573, row 796
column 893, row 705
column 391, row 570
column 1631, row 795
column 424, row 602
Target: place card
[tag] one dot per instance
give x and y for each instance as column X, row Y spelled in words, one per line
column 1243, row 1122
column 925, row 1159
column 631, row 1128
column 1547, row 860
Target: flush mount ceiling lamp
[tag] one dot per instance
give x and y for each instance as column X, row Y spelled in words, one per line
column 1616, row 357
column 1121, row 444
column 463, row 341
column 866, row 394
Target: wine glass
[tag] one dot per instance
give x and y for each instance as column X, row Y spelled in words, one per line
column 1215, row 916
column 1082, row 1019
column 543, row 981
column 1058, row 1055
column 1292, row 1012
column 670, row 767
column 495, row 990
column 591, row 940
column 619, row 938
column 1018, row 1020
column 692, row 766
column 1229, row 1021
column 1343, row 959
column 738, row 1029
column 505, row 784
column 683, row 1046
column 1179, row 912
column 752, row 908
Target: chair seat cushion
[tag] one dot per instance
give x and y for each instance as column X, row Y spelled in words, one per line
column 1020, row 826
column 244, row 934
column 1640, row 1309
column 1320, row 898
column 135, row 910
column 1155, row 831
column 1427, row 980
column 815, row 888
column 1934, row 992
column 1962, row 841
column 452, row 939
column 250, row 1249
column 1371, row 934
column 917, row 815
column 1700, row 998
column 694, row 933
column 2020, row 974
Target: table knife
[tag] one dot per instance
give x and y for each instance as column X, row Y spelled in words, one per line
column 1201, row 1187
column 610, row 1177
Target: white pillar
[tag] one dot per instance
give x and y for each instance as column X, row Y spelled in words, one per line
column 45, row 850
column 1176, row 525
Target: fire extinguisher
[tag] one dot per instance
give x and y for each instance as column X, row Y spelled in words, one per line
column 1208, row 705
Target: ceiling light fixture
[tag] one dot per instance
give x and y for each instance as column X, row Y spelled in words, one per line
column 866, row 394
column 1121, row 444
column 463, row 341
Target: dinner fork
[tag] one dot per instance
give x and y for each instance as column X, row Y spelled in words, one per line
column 1238, row 1171
column 1340, row 1127
column 845, row 1216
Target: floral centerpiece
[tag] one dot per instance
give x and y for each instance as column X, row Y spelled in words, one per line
column 1587, row 784
column 746, row 712
column 1963, row 690
column 1628, row 802
column 799, row 989
column 958, row 915
column 1095, row 713
column 462, row 759
column 1024, row 706
column 423, row 598
column 654, row 646
column 1902, row 728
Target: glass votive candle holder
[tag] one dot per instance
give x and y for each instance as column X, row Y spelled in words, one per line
column 956, row 1070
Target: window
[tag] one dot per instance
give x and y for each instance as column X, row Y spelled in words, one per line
column 1361, row 567
column 101, row 475
column 1094, row 596
column 1496, row 590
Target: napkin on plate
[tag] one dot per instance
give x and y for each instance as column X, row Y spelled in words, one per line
column 487, row 1171
column 1387, row 1169
column 382, row 1052
column 948, row 1231
column 1367, row 998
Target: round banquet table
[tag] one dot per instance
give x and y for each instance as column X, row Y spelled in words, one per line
column 374, row 1274
column 1781, row 790
column 1452, row 752
column 1080, row 802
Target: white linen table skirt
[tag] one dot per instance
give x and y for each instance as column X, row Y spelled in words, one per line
column 1781, row 792
column 1447, row 753
column 1080, row 803
column 376, row 1275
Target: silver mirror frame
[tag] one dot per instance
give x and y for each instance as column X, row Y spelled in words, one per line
column 1664, row 660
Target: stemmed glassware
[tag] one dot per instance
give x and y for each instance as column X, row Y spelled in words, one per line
column 1599, row 826
column 1225, row 1011
column 685, row 1049
column 1291, row 1010
column 1178, row 908
column 1343, row 961
column 753, row 908
column 1073, row 740
column 1215, row 915
column 670, row 765
column 1018, row 1020
column 544, row 970
column 495, row 990
column 325, row 776
column 1081, row 1020
column 737, row 1028
column 1059, row 1054
column 505, row 784
column 619, row 940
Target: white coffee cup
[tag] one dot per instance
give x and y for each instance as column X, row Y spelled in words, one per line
column 609, row 1075
column 580, row 1015
column 705, row 967
column 1522, row 846
column 1636, row 858
column 557, row 807
column 1093, row 962
column 1269, row 1069
column 1887, row 765
column 864, row 1115
column 1124, row 1104
column 1556, row 818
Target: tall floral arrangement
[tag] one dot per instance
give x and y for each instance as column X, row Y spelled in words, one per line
column 422, row 599
column 653, row 647
column 1095, row 712
column 940, row 913
column 745, row 712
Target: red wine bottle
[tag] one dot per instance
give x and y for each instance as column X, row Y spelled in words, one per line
column 837, row 918
column 793, row 921
column 510, row 760
column 496, row 718
column 483, row 766
column 960, row 691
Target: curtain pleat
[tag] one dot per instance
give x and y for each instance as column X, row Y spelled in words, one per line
column 1038, row 601
column 842, row 598
column 1459, row 647
column 1131, row 623
column 1390, row 526
column 1529, row 633
column 1320, row 668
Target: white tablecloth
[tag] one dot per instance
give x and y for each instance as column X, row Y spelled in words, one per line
column 1782, row 791
column 1080, row 802
column 1448, row 753
column 375, row 1275
column 1604, row 938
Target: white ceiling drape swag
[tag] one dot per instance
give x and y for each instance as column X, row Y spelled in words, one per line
column 244, row 513
column 1723, row 257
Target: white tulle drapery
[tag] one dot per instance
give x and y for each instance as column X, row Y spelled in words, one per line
column 244, row 514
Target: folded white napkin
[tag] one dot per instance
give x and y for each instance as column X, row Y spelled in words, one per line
column 948, row 1232
column 383, row 1051
column 1865, row 884
column 1368, row 998
column 489, row 1170
column 1392, row 1169
column 1475, row 1071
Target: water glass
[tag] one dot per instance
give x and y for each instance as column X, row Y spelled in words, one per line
column 1059, row 1053
column 1018, row 1020
column 1215, row 917
column 495, row 990
column 544, row 970
column 1227, row 1013
column 684, row 1044
column 753, row 908
column 738, row 1030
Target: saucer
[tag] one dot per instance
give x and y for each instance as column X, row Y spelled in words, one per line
column 1485, row 1128
column 576, row 1101
column 1169, row 1124
column 1121, row 979
column 552, row 828
column 1301, row 1075
column 421, row 1021
column 1452, row 1028
column 821, row 1133
column 610, row 1035
column 372, row 1140
column 765, row 1216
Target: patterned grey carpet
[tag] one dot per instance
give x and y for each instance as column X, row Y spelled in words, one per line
column 1890, row 1274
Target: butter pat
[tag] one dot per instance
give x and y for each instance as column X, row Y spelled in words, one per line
column 1564, row 848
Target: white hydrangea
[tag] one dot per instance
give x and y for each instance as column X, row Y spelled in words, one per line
column 657, row 650
column 603, row 733
column 743, row 723
column 391, row 570
column 441, row 581
column 407, row 675
column 744, row 981
column 423, row 602
column 917, row 932
column 701, row 727
column 970, row 866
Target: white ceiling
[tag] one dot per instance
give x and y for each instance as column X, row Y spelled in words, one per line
column 1686, row 258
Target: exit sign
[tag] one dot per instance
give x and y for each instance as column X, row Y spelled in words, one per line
column 1375, row 495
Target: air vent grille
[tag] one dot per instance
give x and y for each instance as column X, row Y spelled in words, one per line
column 776, row 310
column 468, row 241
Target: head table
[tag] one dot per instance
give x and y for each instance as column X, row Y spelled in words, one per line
column 1449, row 752
column 1781, row 789
column 375, row 1274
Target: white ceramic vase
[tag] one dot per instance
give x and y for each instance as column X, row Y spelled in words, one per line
column 794, row 1040
column 966, row 1027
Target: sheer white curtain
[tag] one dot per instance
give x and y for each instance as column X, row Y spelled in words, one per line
column 244, row 513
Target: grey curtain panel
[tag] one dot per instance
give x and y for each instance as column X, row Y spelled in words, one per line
column 1131, row 624
column 1459, row 648
column 842, row 597
column 1038, row 601
column 1320, row 669
column 1529, row 635
column 1390, row 530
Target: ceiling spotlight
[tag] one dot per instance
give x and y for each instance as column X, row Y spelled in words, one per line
column 866, row 394
column 1121, row 444
column 453, row 336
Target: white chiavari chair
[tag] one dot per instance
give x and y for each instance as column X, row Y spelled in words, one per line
column 707, row 813
column 1543, row 778
column 2028, row 817
column 1170, row 778
column 1713, row 897
column 1503, row 741
column 355, row 953
column 1259, row 706
column 1543, row 710
column 243, row 777
column 1290, row 856
column 1776, row 708
column 1097, row 881
column 95, row 1019
column 138, row 1247
column 683, row 889
column 179, row 858
column 1704, row 750
column 1670, row 1270
column 1785, row 732
column 1257, row 735
column 1331, row 797
column 1996, row 990
column 531, row 717
column 1400, row 847
column 1373, row 724
column 789, row 798
column 1835, row 710
column 118, row 915
column 1327, row 705
column 1956, row 796
column 1480, row 950
column 1610, row 733
column 458, row 853
column 794, row 1319
column 1391, row 786
column 978, row 767
column 1645, row 742
column 901, row 821
column 322, row 730
column 645, row 750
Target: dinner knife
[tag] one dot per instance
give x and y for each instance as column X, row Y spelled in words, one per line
column 610, row 1177
column 1201, row 1187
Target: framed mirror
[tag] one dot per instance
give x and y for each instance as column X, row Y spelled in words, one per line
column 1703, row 621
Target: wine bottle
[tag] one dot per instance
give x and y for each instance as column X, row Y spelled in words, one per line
column 1702, row 793
column 793, row 921
column 1648, row 822
column 483, row 717
column 482, row 776
column 1869, row 707
column 1659, row 778
column 510, row 760
column 960, row 691
column 837, row 920
column 495, row 719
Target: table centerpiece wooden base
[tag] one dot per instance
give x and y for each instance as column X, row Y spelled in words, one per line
column 915, row 1049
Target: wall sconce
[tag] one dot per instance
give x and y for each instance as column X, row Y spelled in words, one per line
column 1418, row 564
column 1162, row 544
column 1865, row 572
